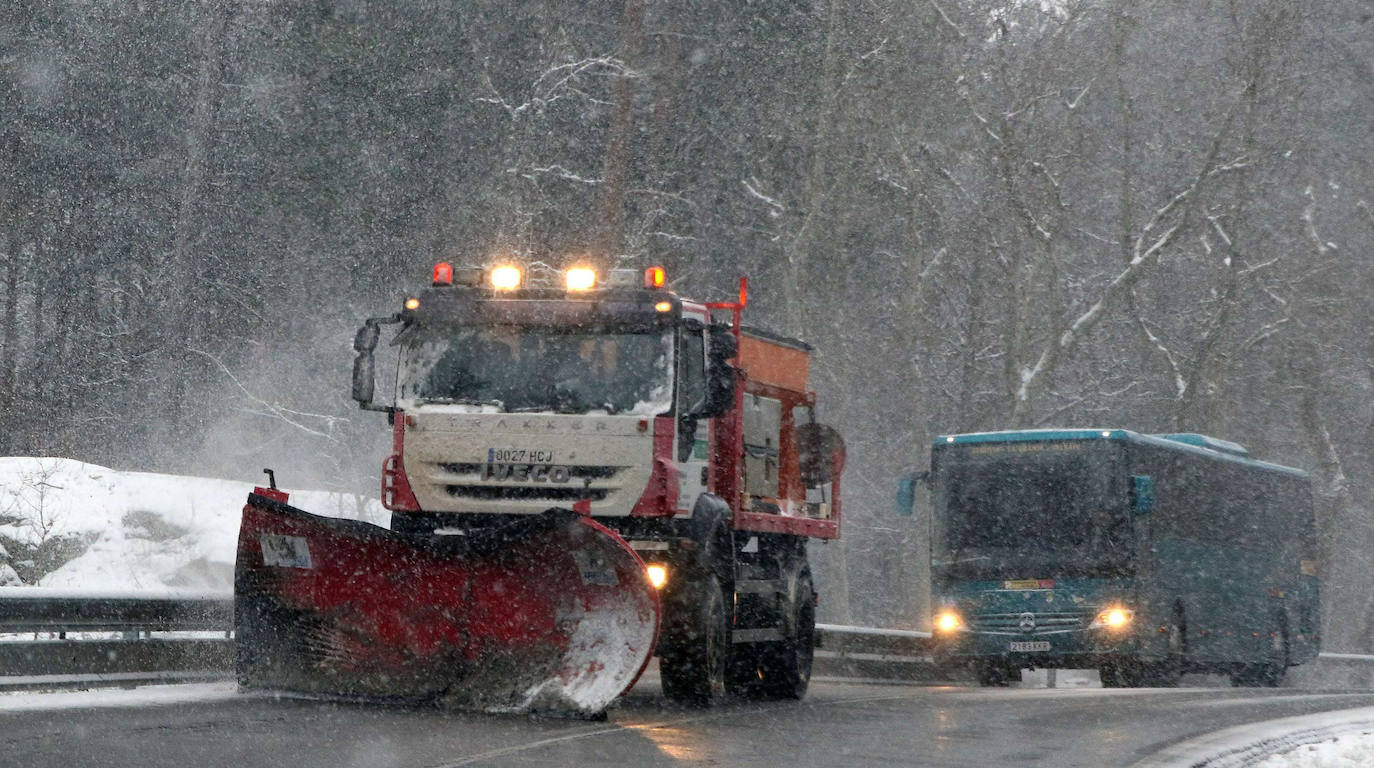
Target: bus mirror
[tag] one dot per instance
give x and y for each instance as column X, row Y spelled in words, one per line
column 1142, row 494
column 906, row 494
column 906, row 491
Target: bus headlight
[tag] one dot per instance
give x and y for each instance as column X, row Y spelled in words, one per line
column 658, row 574
column 948, row 621
column 1112, row 618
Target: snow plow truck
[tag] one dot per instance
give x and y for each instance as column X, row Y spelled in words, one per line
column 587, row 470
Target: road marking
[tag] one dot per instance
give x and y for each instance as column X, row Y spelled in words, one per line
column 627, row 728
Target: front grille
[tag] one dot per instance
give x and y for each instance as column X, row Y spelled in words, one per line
column 1011, row 623
column 574, row 472
column 545, row 493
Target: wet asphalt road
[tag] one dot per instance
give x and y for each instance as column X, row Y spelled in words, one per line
column 839, row 724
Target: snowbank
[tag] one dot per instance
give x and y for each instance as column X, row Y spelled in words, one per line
column 1351, row 750
column 1343, row 737
column 138, row 530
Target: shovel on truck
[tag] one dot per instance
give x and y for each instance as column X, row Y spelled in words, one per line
column 551, row 613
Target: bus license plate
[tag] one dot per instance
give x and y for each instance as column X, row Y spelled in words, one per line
column 1038, row 645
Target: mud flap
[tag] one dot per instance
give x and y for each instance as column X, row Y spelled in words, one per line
column 552, row 613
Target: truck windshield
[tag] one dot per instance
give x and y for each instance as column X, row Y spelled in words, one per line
column 518, row 368
column 1020, row 517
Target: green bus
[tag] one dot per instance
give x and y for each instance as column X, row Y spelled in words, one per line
column 1143, row 556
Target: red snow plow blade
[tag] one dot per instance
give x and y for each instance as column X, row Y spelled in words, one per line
column 552, row 613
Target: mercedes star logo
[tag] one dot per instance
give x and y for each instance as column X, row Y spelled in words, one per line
column 1027, row 622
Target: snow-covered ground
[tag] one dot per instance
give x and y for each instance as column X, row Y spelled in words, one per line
column 138, row 530
column 1342, row 738
column 146, row 696
column 1351, row 750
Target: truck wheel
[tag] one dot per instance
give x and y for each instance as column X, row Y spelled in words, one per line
column 786, row 665
column 696, row 644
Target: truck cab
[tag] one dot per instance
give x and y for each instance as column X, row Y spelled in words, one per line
column 520, row 391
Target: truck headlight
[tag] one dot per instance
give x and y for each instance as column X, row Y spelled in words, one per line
column 1112, row 618
column 658, row 574
column 505, row 277
column 580, row 279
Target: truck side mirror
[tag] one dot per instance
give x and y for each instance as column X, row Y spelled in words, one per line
column 366, row 338
column 720, row 374
column 364, row 377
column 906, row 491
column 1142, row 494
column 364, row 365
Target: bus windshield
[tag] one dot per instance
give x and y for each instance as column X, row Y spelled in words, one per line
column 1029, row 517
column 516, row 368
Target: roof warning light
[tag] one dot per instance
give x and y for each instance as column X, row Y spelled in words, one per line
column 655, row 277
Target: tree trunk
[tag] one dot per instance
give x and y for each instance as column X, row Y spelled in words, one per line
column 182, row 317
column 615, row 175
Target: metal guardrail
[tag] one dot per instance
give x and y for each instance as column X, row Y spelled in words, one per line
column 122, row 638
column 873, row 643
column 878, row 653
column 33, row 609
column 69, row 639
column 1349, row 658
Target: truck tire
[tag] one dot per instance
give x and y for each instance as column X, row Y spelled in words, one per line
column 696, row 644
column 785, row 666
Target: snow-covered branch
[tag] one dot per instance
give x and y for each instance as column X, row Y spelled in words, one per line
column 273, row 409
column 554, row 84
column 557, row 171
column 751, row 184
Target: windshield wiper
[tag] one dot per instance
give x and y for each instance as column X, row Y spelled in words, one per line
column 963, row 560
column 463, row 401
column 566, row 408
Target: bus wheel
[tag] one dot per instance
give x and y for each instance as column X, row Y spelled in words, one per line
column 1121, row 672
column 1159, row 674
column 996, row 673
column 1166, row 672
column 696, row 645
column 1266, row 674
